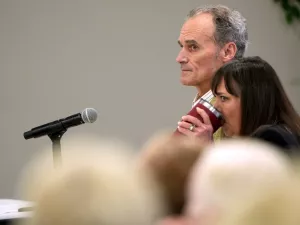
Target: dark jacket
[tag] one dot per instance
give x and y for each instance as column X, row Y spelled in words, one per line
column 279, row 135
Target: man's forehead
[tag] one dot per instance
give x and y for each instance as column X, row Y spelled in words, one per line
column 198, row 27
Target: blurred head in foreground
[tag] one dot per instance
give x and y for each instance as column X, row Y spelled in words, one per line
column 97, row 184
column 241, row 182
column 169, row 159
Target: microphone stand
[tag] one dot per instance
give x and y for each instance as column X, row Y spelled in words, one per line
column 56, row 147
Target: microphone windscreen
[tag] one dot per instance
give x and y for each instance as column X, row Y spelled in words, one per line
column 89, row 115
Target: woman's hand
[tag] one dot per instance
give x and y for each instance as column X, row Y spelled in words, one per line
column 193, row 127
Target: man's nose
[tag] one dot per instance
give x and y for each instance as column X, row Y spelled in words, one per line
column 181, row 57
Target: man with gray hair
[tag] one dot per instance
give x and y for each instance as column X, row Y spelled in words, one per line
column 210, row 37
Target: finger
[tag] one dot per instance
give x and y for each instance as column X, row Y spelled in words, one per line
column 205, row 117
column 192, row 120
column 184, row 131
column 184, row 124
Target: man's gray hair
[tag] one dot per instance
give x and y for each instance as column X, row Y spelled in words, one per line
column 230, row 26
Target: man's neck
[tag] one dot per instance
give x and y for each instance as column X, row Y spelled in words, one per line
column 202, row 90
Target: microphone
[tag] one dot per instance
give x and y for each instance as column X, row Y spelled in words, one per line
column 88, row 115
column 214, row 115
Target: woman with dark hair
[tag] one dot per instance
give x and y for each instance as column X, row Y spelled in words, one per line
column 253, row 102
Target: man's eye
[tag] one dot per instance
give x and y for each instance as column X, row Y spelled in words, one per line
column 193, row 47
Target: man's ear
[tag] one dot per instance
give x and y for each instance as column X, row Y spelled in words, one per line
column 228, row 52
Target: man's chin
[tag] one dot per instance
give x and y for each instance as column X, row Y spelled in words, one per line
column 186, row 82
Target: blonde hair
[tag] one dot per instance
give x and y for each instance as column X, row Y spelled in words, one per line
column 97, row 184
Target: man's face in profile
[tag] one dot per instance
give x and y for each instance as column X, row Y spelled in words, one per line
column 198, row 55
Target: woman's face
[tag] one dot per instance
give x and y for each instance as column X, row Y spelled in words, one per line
column 230, row 107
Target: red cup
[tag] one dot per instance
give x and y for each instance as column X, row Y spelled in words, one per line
column 214, row 115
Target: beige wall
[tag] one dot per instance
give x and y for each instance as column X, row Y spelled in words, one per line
column 60, row 56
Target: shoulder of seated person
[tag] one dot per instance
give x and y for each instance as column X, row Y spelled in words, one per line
column 277, row 135
column 272, row 133
column 268, row 129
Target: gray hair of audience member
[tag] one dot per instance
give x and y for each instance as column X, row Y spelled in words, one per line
column 242, row 182
column 230, row 26
column 97, row 184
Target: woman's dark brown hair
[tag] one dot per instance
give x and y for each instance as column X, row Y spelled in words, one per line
column 263, row 99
